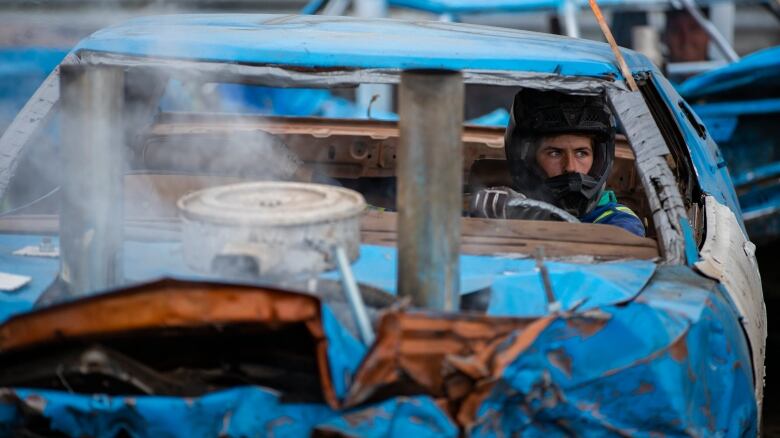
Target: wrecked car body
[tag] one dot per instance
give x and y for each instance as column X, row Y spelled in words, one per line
column 561, row 327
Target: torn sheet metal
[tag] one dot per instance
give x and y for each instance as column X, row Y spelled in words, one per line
column 289, row 76
column 523, row 295
column 172, row 304
column 419, row 416
column 657, row 178
column 673, row 362
column 377, row 267
column 439, row 355
column 234, row 413
column 728, row 257
column 712, row 175
column 238, row 412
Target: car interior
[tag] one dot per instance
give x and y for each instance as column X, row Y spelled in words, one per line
column 183, row 151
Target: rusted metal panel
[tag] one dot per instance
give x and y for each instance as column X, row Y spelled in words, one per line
column 174, row 304
column 439, row 355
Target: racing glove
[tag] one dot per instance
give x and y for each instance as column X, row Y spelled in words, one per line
column 505, row 203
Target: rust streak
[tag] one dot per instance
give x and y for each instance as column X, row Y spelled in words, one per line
column 586, row 327
column 559, row 359
column 679, row 349
column 644, row 388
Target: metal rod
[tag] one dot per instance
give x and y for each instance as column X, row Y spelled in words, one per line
column 692, row 68
column 553, row 305
column 611, row 40
column 568, row 12
column 374, row 97
column 720, row 41
column 430, row 181
column 93, row 171
column 362, row 321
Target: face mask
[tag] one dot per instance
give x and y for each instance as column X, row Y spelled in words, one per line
column 573, row 192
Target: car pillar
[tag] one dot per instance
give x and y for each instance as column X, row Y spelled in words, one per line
column 430, row 180
column 91, row 219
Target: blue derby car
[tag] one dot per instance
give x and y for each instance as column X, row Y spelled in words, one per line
column 171, row 270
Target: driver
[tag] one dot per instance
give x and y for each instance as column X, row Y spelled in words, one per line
column 560, row 150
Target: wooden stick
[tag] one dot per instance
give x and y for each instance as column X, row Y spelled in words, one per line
column 608, row 34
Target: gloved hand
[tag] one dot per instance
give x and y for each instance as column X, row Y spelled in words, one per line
column 491, row 202
column 505, row 203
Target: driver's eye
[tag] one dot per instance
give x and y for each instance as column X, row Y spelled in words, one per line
column 583, row 154
column 554, row 153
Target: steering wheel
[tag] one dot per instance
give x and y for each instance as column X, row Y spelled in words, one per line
column 532, row 209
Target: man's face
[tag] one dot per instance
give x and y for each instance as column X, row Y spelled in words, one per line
column 686, row 40
column 566, row 153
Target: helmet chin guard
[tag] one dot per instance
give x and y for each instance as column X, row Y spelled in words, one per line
column 574, row 191
column 536, row 114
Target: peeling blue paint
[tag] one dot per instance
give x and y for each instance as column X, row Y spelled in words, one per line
column 239, row 412
column 612, row 378
column 691, row 248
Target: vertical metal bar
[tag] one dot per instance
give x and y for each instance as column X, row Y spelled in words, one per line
column 430, row 184
column 362, row 321
column 567, row 11
column 378, row 98
column 92, row 188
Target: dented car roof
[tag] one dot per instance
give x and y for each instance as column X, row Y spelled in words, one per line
column 345, row 42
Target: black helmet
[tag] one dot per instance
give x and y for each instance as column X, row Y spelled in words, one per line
column 540, row 113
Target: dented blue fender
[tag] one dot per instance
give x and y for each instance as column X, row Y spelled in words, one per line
column 642, row 349
column 671, row 362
